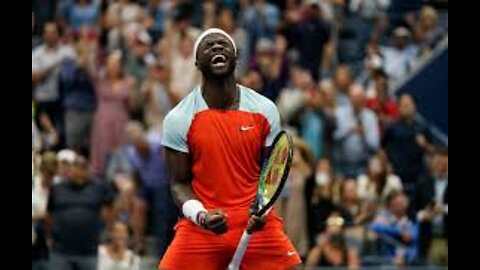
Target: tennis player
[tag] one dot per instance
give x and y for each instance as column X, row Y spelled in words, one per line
column 214, row 141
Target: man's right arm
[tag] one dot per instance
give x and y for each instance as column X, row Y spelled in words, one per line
column 179, row 165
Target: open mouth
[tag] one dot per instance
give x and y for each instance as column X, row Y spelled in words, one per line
column 219, row 60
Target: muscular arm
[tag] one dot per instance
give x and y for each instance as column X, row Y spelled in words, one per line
column 180, row 175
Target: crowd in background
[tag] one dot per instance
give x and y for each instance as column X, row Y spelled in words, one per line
column 368, row 184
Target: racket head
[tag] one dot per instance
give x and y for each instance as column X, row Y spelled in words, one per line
column 274, row 172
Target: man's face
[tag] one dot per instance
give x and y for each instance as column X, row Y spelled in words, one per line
column 399, row 205
column 50, row 34
column 357, row 96
column 440, row 165
column 406, row 107
column 216, row 56
column 343, row 79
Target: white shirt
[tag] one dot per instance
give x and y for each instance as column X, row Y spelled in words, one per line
column 398, row 62
column 43, row 59
column 367, row 190
column 130, row 261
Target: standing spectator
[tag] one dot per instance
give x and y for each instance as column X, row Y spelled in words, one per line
column 40, row 191
column 399, row 58
column 310, row 37
column 394, row 223
column 381, row 102
column 74, row 213
column 260, row 20
column 46, row 59
column 292, row 208
column 342, row 82
column 81, row 13
column 115, row 100
column 115, row 255
column 226, row 22
column 429, row 26
column 158, row 100
column 65, row 159
column 431, row 202
column 405, row 142
column 76, row 84
column 357, row 135
column 148, row 163
column 378, row 182
column 271, row 62
column 293, row 97
column 184, row 75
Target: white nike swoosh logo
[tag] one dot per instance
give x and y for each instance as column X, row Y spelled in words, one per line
column 244, row 128
column 291, row 253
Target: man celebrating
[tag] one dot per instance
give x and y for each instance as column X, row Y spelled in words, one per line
column 215, row 139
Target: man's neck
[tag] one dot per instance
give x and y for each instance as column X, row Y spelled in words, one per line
column 220, row 94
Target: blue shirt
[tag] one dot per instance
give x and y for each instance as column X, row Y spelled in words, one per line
column 79, row 16
column 76, row 88
column 152, row 168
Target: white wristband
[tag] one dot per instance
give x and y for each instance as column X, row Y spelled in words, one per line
column 191, row 209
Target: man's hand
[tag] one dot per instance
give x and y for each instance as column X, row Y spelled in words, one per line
column 215, row 221
column 256, row 223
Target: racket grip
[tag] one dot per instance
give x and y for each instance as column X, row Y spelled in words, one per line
column 241, row 248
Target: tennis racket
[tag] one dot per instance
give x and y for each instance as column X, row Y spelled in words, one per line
column 272, row 179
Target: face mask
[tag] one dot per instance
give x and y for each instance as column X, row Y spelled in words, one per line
column 321, row 178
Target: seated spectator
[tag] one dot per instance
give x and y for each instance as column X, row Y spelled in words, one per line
column 292, row 205
column 381, row 102
column 356, row 135
column 405, row 142
column 378, row 182
column 40, row 192
column 115, row 255
column 402, row 234
column 75, row 210
column 332, row 249
column 431, row 203
column 400, row 57
column 131, row 209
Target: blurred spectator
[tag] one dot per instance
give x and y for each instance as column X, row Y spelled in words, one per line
column 121, row 15
column 129, row 208
column 76, row 84
column 399, row 58
column 147, row 161
column 65, row 159
column 40, row 191
column 342, row 82
column 271, row 62
column 381, row 29
column 315, row 126
column 115, row 255
column 373, row 66
column 156, row 12
column 75, row 209
column 356, row 135
column 310, row 37
column 293, row 97
column 331, row 249
column 46, row 59
column 115, row 100
column 260, row 19
column 253, row 80
column 428, row 22
column 158, row 100
column 368, row 10
column 405, row 142
column 378, row 182
column 402, row 234
column 184, row 74
column 431, row 202
column 226, row 21
column 381, row 102
column 292, row 207
column 79, row 13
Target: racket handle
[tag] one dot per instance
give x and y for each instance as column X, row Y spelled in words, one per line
column 241, row 248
